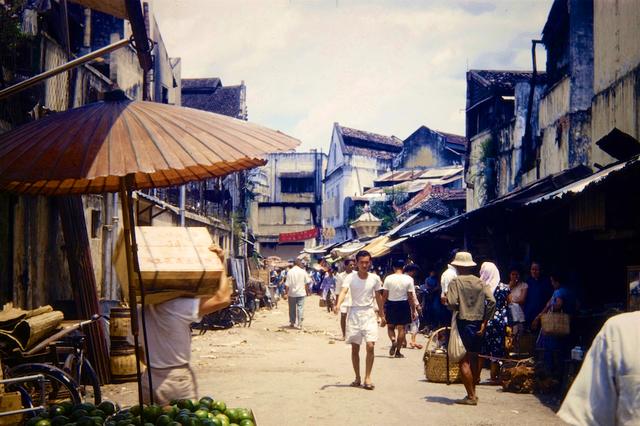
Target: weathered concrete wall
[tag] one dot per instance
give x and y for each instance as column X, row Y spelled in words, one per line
column 555, row 104
column 475, row 173
column 616, row 103
column 554, row 149
column 581, row 53
column 615, row 37
column 617, row 106
column 426, row 148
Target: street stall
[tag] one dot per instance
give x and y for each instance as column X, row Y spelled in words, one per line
column 120, row 145
column 575, row 225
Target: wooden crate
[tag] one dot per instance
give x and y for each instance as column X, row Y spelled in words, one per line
column 172, row 259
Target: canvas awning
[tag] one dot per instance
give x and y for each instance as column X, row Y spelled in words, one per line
column 348, row 249
column 377, row 247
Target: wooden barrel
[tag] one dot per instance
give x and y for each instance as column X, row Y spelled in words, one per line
column 119, row 325
column 123, row 364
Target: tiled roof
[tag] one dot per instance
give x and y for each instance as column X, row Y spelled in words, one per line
column 359, row 142
column 201, row 83
column 503, row 80
column 454, row 139
column 209, row 94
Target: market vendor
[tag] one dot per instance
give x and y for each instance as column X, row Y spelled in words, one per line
column 169, row 342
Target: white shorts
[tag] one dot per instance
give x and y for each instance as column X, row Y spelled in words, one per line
column 362, row 324
column 343, row 308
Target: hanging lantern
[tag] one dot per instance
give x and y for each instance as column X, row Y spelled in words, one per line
column 367, row 225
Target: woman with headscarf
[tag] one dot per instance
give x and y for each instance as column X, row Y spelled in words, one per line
column 494, row 342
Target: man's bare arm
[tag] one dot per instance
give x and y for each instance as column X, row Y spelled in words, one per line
column 379, row 300
column 218, row 301
column 341, row 296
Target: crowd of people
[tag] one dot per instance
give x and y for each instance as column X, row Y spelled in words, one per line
column 492, row 314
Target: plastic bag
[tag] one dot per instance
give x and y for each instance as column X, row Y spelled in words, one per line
column 456, row 350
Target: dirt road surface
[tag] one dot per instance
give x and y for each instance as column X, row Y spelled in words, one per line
column 291, row 377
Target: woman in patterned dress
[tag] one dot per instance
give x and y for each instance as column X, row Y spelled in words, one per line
column 494, row 338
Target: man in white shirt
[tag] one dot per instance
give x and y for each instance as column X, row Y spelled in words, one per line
column 449, row 274
column 362, row 325
column 399, row 307
column 349, row 265
column 297, row 289
column 607, row 389
column 169, row 339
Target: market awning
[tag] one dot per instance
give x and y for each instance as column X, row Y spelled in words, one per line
column 393, row 243
column 320, row 249
column 582, row 184
column 348, row 249
column 404, row 224
column 377, row 247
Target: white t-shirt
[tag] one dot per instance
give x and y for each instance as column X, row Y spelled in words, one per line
column 399, row 286
column 297, row 280
column 446, row 278
column 168, row 331
column 340, row 279
column 607, row 389
column 363, row 292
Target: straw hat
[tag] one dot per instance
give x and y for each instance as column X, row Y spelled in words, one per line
column 463, row 258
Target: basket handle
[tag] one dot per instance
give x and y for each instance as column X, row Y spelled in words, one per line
column 436, row 333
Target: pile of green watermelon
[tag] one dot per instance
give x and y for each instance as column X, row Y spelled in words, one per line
column 183, row 412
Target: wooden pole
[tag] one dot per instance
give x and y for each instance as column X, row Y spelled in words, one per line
column 83, row 281
column 133, row 269
column 133, row 303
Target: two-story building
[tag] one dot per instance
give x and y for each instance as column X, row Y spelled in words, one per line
column 286, row 209
column 356, row 158
column 525, row 126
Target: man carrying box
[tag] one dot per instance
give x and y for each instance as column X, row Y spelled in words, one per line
column 169, row 341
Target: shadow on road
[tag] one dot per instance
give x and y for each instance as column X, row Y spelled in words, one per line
column 339, row 385
column 440, row 400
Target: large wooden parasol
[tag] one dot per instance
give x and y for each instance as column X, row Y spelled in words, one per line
column 119, row 145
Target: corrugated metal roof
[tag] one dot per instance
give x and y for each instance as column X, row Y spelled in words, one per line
column 582, row 184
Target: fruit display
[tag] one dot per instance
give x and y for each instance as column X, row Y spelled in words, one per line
column 184, row 412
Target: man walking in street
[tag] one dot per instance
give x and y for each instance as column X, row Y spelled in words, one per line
column 398, row 296
column 297, row 289
column 349, row 265
column 362, row 325
column 472, row 301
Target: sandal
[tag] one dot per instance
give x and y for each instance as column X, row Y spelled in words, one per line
column 398, row 355
column 355, row 384
column 417, row 346
column 467, row 401
column 369, row 386
column 393, row 348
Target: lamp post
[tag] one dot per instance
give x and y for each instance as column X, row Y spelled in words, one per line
column 367, row 225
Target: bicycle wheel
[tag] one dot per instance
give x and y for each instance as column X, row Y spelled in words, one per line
column 85, row 376
column 58, row 385
column 237, row 315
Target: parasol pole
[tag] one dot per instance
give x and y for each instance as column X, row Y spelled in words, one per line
column 131, row 253
column 129, row 182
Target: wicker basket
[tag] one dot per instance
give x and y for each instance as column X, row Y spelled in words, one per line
column 555, row 324
column 435, row 361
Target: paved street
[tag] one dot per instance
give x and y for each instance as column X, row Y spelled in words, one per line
column 290, row 377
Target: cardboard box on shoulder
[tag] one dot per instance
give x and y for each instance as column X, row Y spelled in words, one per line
column 174, row 262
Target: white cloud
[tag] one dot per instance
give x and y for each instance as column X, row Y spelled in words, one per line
column 383, row 66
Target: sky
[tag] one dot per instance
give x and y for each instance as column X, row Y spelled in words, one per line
column 383, row 66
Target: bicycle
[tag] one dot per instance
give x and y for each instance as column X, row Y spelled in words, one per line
column 73, row 378
column 221, row 320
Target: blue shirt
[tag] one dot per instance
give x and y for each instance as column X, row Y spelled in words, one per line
column 538, row 294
